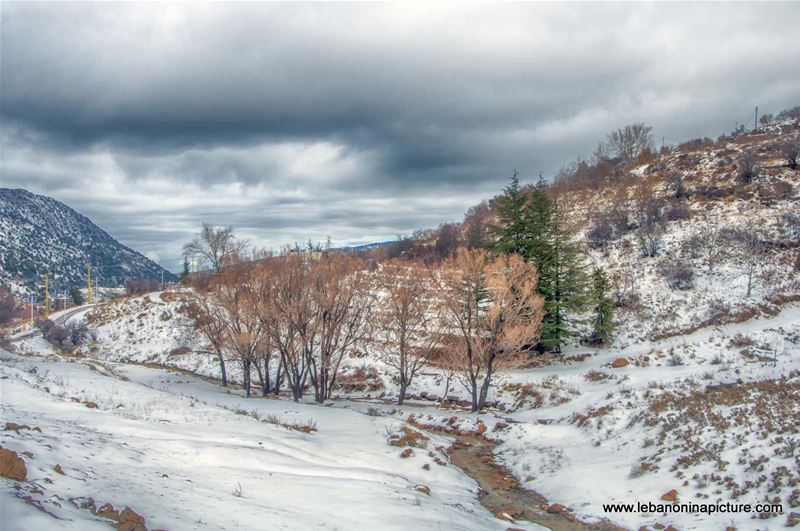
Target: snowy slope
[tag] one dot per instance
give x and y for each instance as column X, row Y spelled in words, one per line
column 176, row 451
column 39, row 235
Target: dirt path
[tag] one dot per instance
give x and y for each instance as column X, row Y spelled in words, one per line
column 501, row 493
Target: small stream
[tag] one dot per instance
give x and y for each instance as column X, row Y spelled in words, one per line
column 501, row 492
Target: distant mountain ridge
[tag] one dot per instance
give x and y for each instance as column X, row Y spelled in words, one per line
column 40, row 235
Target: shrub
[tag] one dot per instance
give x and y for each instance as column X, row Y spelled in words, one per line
column 677, row 273
column 790, row 151
column 678, row 211
column 601, row 233
column 747, row 170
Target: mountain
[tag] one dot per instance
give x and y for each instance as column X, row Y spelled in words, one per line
column 39, row 235
column 364, row 247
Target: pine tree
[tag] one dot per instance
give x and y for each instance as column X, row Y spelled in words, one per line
column 532, row 225
column 562, row 280
column 75, row 295
column 185, row 267
column 603, row 309
column 510, row 209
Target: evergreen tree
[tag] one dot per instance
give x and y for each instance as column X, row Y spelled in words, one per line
column 75, row 295
column 532, row 225
column 185, row 267
column 510, row 209
column 603, row 309
column 562, row 280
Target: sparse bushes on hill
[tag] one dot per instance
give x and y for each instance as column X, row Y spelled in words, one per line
column 136, row 286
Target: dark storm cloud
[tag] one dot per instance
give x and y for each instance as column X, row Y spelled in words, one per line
column 291, row 121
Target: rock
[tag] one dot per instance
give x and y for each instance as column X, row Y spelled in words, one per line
column 793, row 519
column 90, row 405
column 670, row 528
column 658, row 526
column 499, row 425
column 556, row 508
column 12, row 466
column 58, row 470
column 107, row 511
column 513, row 511
column 129, row 520
column 671, row 496
column 13, row 426
column 408, row 452
column 29, row 455
column 620, row 362
column 424, row 490
column 481, row 429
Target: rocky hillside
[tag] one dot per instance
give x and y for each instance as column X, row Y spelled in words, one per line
column 39, row 235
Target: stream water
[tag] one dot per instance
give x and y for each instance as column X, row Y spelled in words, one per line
column 501, row 492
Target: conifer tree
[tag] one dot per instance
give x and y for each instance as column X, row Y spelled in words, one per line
column 603, row 309
column 532, row 225
column 562, row 280
column 185, row 267
column 510, row 209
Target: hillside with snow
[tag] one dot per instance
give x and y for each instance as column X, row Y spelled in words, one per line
column 41, row 236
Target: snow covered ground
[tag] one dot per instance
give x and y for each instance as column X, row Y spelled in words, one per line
column 187, row 455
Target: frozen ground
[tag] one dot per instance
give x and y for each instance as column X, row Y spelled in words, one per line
column 186, row 455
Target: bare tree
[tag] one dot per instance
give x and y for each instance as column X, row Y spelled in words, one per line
column 341, row 309
column 650, row 218
column 628, row 142
column 447, row 239
column 244, row 333
column 750, row 252
column 710, row 244
column 407, row 320
column 491, row 309
column 210, row 322
column 217, row 246
column 287, row 312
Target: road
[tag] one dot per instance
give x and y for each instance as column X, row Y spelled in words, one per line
column 61, row 319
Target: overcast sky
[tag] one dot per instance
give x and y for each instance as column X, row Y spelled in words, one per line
column 355, row 121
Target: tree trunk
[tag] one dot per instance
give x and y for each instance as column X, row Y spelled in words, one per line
column 222, row 369
column 402, row 395
column 474, row 391
column 276, row 389
column 265, row 383
column 246, row 378
column 446, row 389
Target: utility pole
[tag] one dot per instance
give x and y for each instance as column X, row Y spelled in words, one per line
column 755, row 120
column 46, row 299
column 88, row 283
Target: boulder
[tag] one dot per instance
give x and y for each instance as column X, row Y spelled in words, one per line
column 129, row 520
column 671, row 496
column 12, row 466
column 424, row 489
column 556, row 508
column 619, row 363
